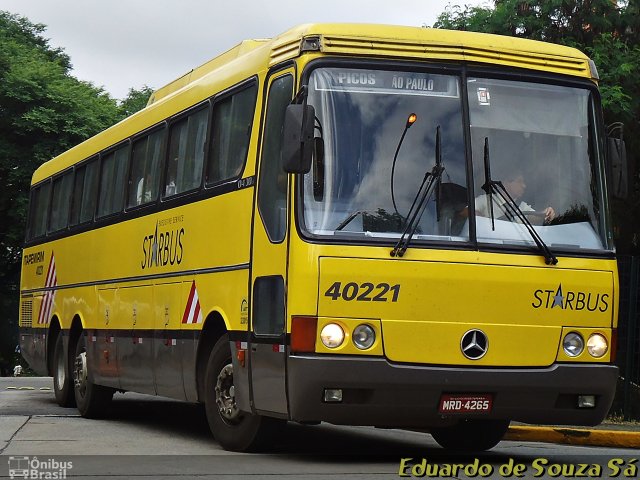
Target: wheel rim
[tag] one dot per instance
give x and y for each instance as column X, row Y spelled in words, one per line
column 225, row 396
column 61, row 372
column 80, row 373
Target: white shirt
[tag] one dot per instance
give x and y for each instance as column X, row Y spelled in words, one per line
column 499, row 208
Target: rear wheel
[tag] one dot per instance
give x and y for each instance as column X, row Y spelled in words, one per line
column 232, row 428
column 471, row 435
column 62, row 382
column 92, row 400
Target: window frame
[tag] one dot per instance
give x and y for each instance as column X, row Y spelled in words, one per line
column 221, row 97
column 59, row 177
column 145, row 134
column 184, row 115
column 125, row 144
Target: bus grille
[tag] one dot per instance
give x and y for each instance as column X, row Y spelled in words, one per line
column 26, row 313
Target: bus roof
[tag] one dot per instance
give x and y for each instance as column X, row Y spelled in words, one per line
column 380, row 41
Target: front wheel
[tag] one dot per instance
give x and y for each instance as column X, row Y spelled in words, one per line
column 232, row 428
column 471, row 435
column 92, row 400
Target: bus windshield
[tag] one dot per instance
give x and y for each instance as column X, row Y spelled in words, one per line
column 542, row 147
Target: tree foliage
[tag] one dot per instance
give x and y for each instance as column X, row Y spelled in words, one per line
column 135, row 100
column 607, row 31
column 44, row 110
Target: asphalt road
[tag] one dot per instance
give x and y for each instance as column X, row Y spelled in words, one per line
column 148, row 437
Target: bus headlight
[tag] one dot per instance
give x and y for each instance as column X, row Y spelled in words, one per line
column 363, row 336
column 332, row 335
column 573, row 344
column 597, row 345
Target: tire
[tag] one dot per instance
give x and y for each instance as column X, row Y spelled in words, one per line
column 92, row 400
column 233, row 429
column 62, row 381
column 471, row 435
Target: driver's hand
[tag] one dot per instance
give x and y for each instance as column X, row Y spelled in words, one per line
column 549, row 214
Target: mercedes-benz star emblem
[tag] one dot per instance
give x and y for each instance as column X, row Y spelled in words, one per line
column 474, row 344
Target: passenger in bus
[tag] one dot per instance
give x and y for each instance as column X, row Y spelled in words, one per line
column 143, row 192
column 515, row 185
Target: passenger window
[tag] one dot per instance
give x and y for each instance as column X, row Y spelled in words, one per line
column 145, row 169
column 230, row 134
column 60, row 202
column 272, row 184
column 186, row 153
column 84, row 193
column 40, row 210
column 114, row 167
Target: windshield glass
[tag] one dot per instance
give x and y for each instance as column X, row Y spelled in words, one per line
column 541, row 145
column 361, row 117
column 541, row 141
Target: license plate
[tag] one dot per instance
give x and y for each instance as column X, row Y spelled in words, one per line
column 466, row 403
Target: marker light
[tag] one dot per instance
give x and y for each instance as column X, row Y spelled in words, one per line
column 597, row 345
column 332, row 335
column 411, row 120
column 303, row 334
column 573, row 344
column 363, row 336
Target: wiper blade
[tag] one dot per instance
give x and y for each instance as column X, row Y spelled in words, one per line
column 496, row 187
column 420, row 201
column 348, row 220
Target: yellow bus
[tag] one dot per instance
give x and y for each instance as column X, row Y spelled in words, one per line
column 355, row 224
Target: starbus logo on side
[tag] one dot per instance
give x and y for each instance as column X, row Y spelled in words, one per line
column 570, row 300
column 162, row 248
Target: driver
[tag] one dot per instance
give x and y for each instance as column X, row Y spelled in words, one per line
column 514, row 184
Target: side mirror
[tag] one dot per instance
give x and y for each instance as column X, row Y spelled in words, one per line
column 297, row 144
column 617, row 156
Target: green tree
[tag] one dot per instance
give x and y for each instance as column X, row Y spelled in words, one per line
column 607, row 31
column 134, row 101
column 43, row 111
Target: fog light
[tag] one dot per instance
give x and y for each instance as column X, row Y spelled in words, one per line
column 332, row 335
column 363, row 336
column 586, row 401
column 573, row 344
column 597, row 345
column 332, row 395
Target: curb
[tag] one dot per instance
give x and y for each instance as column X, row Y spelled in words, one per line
column 571, row 436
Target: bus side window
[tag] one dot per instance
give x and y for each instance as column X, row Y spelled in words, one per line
column 186, row 153
column 230, row 134
column 112, row 180
column 145, row 169
column 60, row 202
column 40, row 210
column 84, row 193
column 272, row 184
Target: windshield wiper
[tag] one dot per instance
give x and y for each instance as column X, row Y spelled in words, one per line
column 420, row 201
column 495, row 187
column 349, row 219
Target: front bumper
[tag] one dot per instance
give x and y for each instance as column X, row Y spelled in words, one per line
column 376, row 392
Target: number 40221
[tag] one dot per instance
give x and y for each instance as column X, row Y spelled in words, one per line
column 364, row 292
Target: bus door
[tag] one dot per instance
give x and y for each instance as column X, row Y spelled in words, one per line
column 267, row 349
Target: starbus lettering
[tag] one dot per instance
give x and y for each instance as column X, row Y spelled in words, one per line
column 570, row 300
column 162, row 248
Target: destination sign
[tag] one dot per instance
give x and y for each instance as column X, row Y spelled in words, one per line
column 384, row 82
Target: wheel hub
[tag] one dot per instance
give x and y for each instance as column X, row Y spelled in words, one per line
column 226, row 395
column 80, row 372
